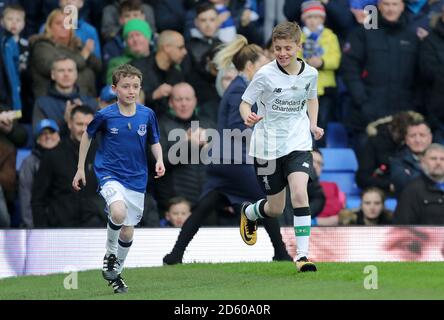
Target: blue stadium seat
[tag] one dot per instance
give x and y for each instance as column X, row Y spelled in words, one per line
column 339, row 159
column 336, row 135
column 22, row 153
column 353, row 202
column 390, row 203
column 345, row 181
column 340, row 166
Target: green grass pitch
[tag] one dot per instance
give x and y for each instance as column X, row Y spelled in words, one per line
column 242, row 281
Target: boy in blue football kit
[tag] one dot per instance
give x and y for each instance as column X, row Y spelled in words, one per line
column 121, row 166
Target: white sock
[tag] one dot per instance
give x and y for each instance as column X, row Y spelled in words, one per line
column 302, row 231
column 252, row 211
column 122, row 252
column 113, row 231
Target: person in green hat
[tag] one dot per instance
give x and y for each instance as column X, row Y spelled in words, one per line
column 137, row 35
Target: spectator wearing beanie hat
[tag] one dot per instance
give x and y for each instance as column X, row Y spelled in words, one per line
column 137, row 35
column 339, row 17
column 321, row 50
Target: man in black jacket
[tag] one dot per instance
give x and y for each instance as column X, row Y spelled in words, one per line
column 162, row 70
column 54, row 203
column 432, row 74
column 185, row 175
column 379, row 67
column 422, row 201
column 405, row 165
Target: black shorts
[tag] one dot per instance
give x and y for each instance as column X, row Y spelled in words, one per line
column 272, row 174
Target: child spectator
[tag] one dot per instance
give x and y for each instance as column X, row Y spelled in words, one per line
column 321, row 50
column 14, row 22
column 201, row 47
column 47, row 137
column 14, row 50
column 179, row 209
column 372, row 211
column 227, row 27
column 119, row 12
column 115, row 16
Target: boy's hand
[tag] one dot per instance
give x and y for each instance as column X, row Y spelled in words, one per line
column 160, row 169
column 317, row 132
column 252, row 119
column 79, row 177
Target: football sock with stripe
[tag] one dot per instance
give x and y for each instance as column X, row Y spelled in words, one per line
column 122, row 252
column 256, row 210
column 113, row 231
column 302, row 224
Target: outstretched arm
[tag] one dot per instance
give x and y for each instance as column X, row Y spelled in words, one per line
column 156, row 149
column 313, row 108
column 85, row 143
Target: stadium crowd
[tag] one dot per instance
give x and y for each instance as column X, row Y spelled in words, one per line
column 383, row 84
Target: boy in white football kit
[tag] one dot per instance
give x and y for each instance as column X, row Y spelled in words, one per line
column 121, row 166
column 285, row 90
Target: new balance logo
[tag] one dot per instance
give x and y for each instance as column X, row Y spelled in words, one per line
column 277, row 90
column 306, row 165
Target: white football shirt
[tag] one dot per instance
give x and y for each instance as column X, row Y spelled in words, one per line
column 281, row 99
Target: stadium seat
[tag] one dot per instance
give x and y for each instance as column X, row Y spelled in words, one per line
column 353, row 202
column 340, row 166
column 390, row 203
column 345, row 181
column 339, row 159
column 336, row 135
column 21, row 154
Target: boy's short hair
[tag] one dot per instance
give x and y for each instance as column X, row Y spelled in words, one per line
column 287, row 31
column 13, row 7
column 176, row 200
column 130, row 5
column 204, row 7
column 125, row 70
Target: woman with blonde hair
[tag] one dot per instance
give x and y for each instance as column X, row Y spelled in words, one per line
column 57, row 40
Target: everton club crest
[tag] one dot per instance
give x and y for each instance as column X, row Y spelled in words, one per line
column 142, row 130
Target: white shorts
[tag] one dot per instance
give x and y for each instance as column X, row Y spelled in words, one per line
column 134, row 201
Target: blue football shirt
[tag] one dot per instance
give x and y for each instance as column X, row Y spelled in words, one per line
column 122, row 152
